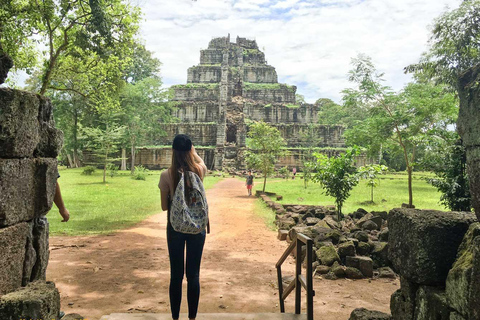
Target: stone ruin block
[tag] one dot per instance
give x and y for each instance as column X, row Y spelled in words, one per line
column 51, row 139
column 364, row 314
column 468, row 123
column 431, row 303
column 12, row 248
column 38, row 300
column 27, row 188
column 26, row 126
column 423, row 244
column 474, row 305
column 19, row 129
column 402, row 301
column 41, row 245
column 459, row 278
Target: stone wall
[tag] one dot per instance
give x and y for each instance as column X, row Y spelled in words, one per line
column 283, row 94
column 196, row 92
column 29, row 145
column 326, row 136
column 202, row 134
column 204, row 74
column 260, row 74
column 469, row 128
column 197, row 111
column 296, row 156
column 280, row 114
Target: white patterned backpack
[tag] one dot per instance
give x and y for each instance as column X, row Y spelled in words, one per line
column 189, row 215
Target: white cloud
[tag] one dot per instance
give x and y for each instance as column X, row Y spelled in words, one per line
column 309, row 42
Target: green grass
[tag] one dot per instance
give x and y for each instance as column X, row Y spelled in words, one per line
column 98, row 208
column 392, row 188
column 265, row 213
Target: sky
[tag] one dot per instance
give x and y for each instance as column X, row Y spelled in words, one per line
column 309, row 42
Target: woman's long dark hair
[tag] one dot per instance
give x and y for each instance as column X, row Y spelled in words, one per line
column 183, row 161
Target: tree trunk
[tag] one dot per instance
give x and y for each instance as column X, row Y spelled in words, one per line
column 371, row 200
column 75, row 139
column 70, row 162
column 132, row 166
column 105, row 166
column 410, row 192
column 264, row 182
column 124, row 160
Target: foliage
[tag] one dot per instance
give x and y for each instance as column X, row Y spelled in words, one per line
column 338, row 175
column 70, row 31
column 196, row 86
column 265, row 145
column 250, row 86
column 140, row 173
column 309, row 140
column 300, row 99
column 284, row 171
column 453, row 45
column 104, row 141
column 452, row 179
column 404, row 119
column 308, row 168
column 88, row 170
column 112, row 169
column 330, row 113
column 390, row 193
column 370, row 173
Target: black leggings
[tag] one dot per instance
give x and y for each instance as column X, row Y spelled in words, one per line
column 176, row 247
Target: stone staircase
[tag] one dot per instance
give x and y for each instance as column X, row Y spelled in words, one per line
column 207, row 316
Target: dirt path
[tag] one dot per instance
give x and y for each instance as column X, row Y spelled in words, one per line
column 129, row 272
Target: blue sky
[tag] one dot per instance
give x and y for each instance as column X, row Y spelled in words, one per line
column 309, row 42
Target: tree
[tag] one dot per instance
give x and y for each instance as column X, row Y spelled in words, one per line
column 68, row 30
column 453, row 45
column 370, row 173
column 104, row 141
column 330, row 113
column 144, row 104
column 451, row 178
column 404, row 119
column 338, row 175
column 264, row 147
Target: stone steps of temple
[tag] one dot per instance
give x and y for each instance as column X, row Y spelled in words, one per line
column 207, row 316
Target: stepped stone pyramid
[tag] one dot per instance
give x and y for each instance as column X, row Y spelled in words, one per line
column 232, row 86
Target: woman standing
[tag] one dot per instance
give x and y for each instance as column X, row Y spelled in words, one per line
column 184, row 158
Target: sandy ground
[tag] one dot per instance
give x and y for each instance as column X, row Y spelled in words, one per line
column 128, row 271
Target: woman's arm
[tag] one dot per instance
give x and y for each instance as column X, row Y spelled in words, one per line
column 164, row 199
column 199, row 161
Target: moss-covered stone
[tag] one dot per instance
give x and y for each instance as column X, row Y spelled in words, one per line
column 460, row 276
column 346, row 249
column 328, row 255
column 38, row 300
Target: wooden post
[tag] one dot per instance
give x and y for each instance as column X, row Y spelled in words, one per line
column 298, row 272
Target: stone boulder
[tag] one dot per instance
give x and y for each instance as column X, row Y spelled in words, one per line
column 38, row 300
column 6, row 64
column 327, row 255
column 474, row 305
column 346, row 249
column 423, row 243
column 459, row 278
column 468, row 125
column 364, row 314
column 402, row 301
column 364, row 264
column 12, row 247
column 353, row 273
column 379, row 254
column 431, row 303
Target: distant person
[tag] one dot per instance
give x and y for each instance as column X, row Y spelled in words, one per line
column 294, row 172
column 249, row 182
column 184, row 160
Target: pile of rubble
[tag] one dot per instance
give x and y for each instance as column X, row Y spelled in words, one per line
column 355, row 247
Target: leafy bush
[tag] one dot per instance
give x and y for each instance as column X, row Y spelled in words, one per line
column 88, row 170
column 113, row 169
column 284, row 172
column 140, row 173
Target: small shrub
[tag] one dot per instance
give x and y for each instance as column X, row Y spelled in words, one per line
column 112, row 169
column 88, row 170
column 140, row 173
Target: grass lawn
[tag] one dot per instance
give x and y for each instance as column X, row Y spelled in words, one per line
column 390, row 193
column 98, row 208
